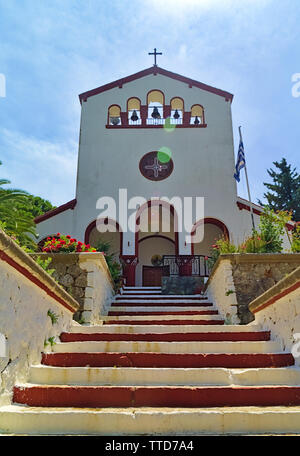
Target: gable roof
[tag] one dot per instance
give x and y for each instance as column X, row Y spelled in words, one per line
column 155, row 70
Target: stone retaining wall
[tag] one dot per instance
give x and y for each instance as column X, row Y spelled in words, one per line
column 68, row 273
column 86, row 277
column 252, row 275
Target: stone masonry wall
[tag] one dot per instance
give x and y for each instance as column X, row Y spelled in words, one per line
column 237, row 279
column 69, row 274
column 86, row 277
column 257, row 274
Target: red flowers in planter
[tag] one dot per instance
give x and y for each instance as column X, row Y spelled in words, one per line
column 65, row 244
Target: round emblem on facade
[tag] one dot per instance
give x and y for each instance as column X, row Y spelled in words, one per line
column 152, row 168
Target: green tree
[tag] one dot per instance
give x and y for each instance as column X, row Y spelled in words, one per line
column 284, row 192
column 35, row 205
column 17, row 223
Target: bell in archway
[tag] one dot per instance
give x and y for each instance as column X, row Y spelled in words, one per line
column 134, row 116
column 196, row 121
column 115, row 120
column 155, row 113
column 176, row 114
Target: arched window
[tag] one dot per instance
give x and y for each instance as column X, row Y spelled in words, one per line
column 155, row 102
column 114, row 115
column 134, row 111
column 197, row 115
column 177, row 109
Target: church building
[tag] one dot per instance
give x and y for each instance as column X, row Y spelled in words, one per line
column 151, row 137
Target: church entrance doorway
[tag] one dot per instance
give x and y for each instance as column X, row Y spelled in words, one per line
column 156, row 237
column 152, row 276
column 152, row 246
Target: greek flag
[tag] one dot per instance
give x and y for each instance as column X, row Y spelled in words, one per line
column 240, row 163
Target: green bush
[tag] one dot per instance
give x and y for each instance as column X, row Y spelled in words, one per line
column 113, row 266
column 296, row 239
column 272, row 228
column 267, row 239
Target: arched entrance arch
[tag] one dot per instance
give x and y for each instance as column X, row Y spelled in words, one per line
column 213, row 229
column 156, row 234
column 110, row 232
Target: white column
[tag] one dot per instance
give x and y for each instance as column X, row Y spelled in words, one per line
column 128, row 243
column 184, row 248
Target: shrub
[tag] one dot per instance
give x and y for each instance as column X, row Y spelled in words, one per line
column 113, row 266
column 53, row 316
column 267, row 239
column 44, row 263
column 253, row 244
column 272, row 228
column 222, row 245
column 296, row 239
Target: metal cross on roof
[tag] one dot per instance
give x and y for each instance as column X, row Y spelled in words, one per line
column 155, row 54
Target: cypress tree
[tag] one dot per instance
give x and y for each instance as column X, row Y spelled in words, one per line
column 284, row 192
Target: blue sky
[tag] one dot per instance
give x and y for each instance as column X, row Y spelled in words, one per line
column 52, row 50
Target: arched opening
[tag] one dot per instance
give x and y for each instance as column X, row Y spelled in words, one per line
column 197, row 115
column 105, row 231
column 114, row 115
column 157, row 236
column 177, row 109
column 134, row 111
column 155, row 103
column 150, row 247
column 205, row 233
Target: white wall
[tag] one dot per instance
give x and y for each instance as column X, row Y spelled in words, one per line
column 282, row 315
column 99, row 291
column 108, row 160
column 24, row 322
column 221, row 282
column 203, row 158
column 210, row 234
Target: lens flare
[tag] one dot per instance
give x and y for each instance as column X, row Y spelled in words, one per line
column 168, row 127
column 164, row 154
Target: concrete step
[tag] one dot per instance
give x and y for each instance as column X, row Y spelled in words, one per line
column 162, row 298
column 185, row 319
column 135, row 292
column 155, row 396
column 167, row 347
column 203, row 320
column 141, row 288
column 17, row 419
column 162, row 328
column 174, row 360
column 164, row 317
column 168, row 337
column 160, row 304
column 134, row 376
column 162, row 311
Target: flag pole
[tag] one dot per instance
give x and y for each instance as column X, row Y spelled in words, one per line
column 248, row 188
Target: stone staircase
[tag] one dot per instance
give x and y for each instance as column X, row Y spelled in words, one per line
column 161, row 365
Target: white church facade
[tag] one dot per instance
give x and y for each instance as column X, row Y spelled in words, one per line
column 153, row 136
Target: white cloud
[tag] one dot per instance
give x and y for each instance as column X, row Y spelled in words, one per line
column 41, row 167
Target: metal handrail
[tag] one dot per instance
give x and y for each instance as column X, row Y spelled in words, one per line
column 193, row 265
